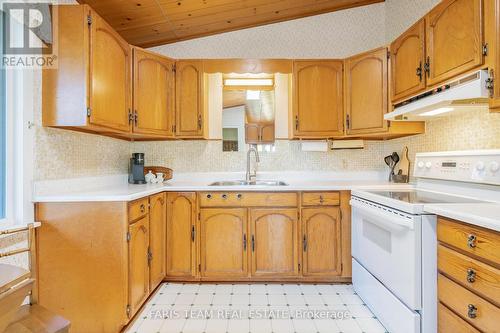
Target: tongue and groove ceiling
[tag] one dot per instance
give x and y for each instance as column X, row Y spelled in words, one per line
column 150, row 23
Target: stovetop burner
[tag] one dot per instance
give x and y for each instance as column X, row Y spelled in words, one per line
column 422, row 197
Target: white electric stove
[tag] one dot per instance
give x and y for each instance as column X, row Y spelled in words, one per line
column 394, row 240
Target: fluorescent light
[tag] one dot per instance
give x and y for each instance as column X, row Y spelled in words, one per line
column 436, row 112
column 248, row 82
column 253, row 95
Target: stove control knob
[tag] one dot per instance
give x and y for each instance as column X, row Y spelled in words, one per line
column 420, row 165
column 494, row 167
column 428, row 165
column 480, row 166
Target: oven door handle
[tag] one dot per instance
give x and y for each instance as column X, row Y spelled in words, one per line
column 378, row 217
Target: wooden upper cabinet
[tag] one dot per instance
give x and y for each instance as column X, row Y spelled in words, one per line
column 110, row 81
column 223, row 242
column 154, row 95
column 181, row 235
column 407, row 63
column 138, row 246
column 274, row 242
column 157, row 239
column 495, row 49
column 189, row 89
column 321, row 241
column 454, row 42
column 90, row 89
column 317, row 98
column 366, row 92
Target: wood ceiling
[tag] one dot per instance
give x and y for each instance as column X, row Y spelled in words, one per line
column 149, row 23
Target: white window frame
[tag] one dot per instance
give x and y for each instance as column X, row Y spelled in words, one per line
column 20, row 96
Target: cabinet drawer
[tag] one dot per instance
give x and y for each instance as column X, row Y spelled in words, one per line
column 138, row 209
column 320, row 198
column 448, row 322
column 477, row 241
column 245, row 199
column 474, row 309
column 473, row 274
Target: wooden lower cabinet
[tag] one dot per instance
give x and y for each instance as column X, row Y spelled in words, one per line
column 157, row 239
column 274, row 242
column 138, row 262
column 223, row 243
column 321, row 241
column 468, row 278
column 181, row 235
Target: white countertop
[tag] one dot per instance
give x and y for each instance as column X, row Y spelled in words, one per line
column 485, row 215
column 116, row 188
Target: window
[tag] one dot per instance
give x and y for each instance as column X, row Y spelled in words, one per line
column 3, row 157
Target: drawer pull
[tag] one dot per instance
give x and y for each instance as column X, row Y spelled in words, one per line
column 224, row 196
column 304, row 243
column 321, row 200
column 253, row 243
column 143, row 208
column 471, row 311
column 209, row 196
column 471, row 241
column 244, row 242
column 239, row 196
column 471, row 275
column 193, row 233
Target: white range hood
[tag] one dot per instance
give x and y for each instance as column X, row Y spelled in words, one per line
column 467, row 93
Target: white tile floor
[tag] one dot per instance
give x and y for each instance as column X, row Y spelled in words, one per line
column 255, row 308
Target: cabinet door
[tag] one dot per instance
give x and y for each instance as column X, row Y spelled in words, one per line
column 267, row 134
column 407, row 63
column 223, row 242
column 274, row 242
column 321, row 241
column 252, row 133
column 153, row 94
column 317, row 98
column 454, row 39
column 495, row 71
column 366, row 92
column 181, row 234
column 110, row 85
column 157, row 238
column 138, row 246
column 189, row 98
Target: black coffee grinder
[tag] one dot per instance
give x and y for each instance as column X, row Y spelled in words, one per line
column 136, row 170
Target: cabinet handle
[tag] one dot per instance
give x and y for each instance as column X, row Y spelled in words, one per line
column 193, row 233
column 199, row 122
column 244, row 242
column 239, row 196
column 136, row 118
column 427, row 67
column 143, row 208
column 419, row 71
column 224, row 196
column 321, row 200
column 471, row 275
column 304, row 243
column 296, row 123
column 348, row 122
column 471, row 241
column 471, row 311
column 209, row 196
column 253, row 243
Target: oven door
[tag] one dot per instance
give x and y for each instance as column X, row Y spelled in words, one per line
column 387, row 243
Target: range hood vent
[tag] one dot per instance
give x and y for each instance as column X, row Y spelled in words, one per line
column 467, row 93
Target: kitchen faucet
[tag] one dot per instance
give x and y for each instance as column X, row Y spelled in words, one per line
column 252, row 176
